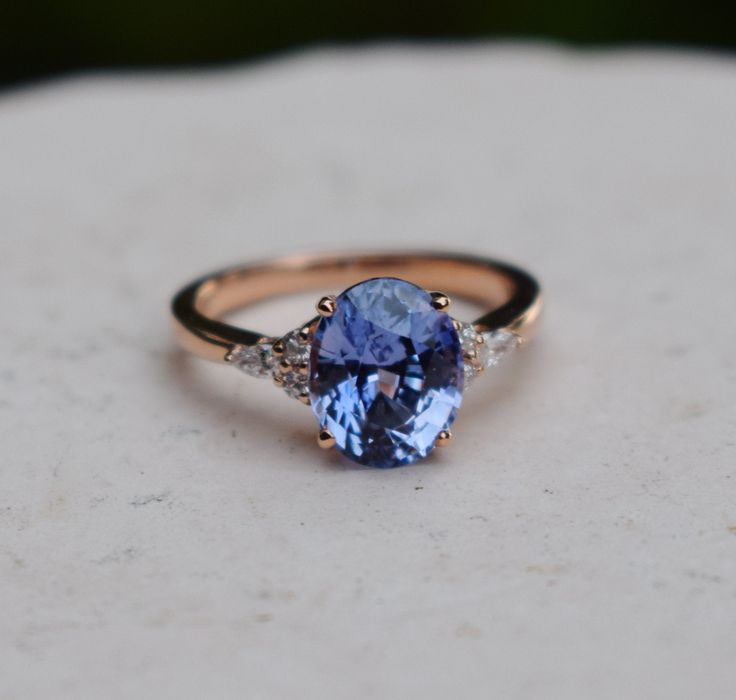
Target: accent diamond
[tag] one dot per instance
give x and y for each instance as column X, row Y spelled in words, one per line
column 254, row 360
column 293, row 365
column 483, row 350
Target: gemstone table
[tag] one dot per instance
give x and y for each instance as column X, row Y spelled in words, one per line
column 169, row 528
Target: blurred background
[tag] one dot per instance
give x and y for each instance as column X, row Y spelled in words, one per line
column 42, row 38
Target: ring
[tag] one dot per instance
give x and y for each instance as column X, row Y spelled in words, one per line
column 383, row 364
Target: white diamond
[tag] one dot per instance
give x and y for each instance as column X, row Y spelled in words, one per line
column 254, row 360
column 484, row 349
column 292, row 366
column 498, row 345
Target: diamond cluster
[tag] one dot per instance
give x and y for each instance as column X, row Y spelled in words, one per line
column 483, row 350
column 291, row 364
column 290, row 368
column 284, row 359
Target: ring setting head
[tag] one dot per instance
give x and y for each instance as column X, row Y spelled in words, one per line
column 386, row 371
column 383, row 367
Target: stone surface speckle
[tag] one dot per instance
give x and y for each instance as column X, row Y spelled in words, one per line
column 168, row 528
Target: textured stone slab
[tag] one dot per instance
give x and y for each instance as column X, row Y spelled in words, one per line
column 169, row 529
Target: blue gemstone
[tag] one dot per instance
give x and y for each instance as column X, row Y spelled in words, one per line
column 386, row 373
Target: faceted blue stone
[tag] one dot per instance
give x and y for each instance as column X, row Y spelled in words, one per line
column 386, row 373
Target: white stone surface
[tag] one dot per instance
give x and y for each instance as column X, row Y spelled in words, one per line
column 168, row 528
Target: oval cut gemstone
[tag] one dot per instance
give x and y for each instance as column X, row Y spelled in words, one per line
column 386, row 373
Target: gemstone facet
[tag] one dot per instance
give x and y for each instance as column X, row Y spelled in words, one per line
column 386, row 373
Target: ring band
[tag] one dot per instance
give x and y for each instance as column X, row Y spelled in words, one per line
column 383, row 364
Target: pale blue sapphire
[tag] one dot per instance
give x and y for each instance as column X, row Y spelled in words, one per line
column 386, row 373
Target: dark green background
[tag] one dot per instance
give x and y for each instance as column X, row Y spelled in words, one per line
column 40, row 38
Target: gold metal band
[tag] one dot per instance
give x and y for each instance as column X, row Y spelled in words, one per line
column 511, row 295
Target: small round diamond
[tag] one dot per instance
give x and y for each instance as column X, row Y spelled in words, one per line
column 386, row 373
column 293, row 365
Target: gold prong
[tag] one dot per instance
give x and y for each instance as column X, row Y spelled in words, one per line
column 327, row 306
column 440, row 301
column 278, row 347
column 325, row 439
column 457, row 324
column 444, row 438
column 278, row 381
column 303, row 368
column 284, row 365
column 304, row 398
column 304, row 333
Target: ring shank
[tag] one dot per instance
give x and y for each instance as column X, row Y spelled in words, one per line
column 511, row 295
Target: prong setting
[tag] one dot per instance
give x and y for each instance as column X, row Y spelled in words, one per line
column 325, row 439
column 444, row 438
column 440, row 301
column 327, row 306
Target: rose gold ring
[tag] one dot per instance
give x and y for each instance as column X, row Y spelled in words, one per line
column 382, row 364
